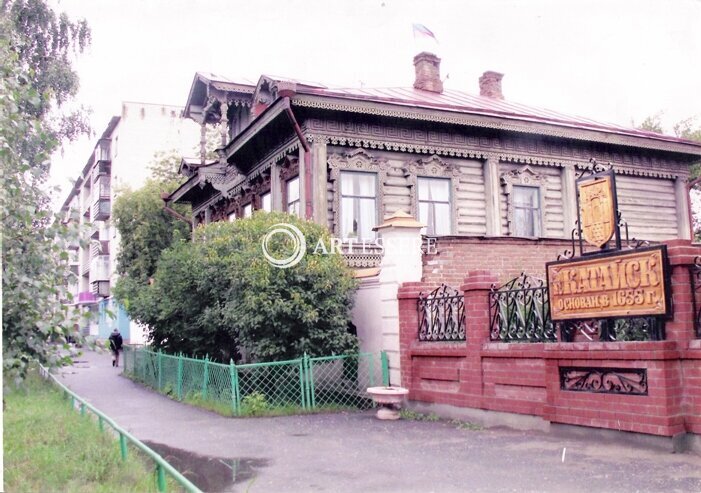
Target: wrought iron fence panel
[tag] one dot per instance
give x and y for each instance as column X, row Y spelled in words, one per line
column 695, row 278
column 442, row 315
column 519, row 311
column 618, row 329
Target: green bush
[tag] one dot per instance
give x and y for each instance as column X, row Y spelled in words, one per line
column 218, row 295
column 254, row 404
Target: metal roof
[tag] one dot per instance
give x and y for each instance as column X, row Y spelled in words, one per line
column 462, row 102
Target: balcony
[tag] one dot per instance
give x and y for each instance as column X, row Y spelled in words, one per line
column 98, row 248
column 84, row 268
column 86, row 298
column 100, row 209
column 100, row 288
column 102, row 168
column 94, row 231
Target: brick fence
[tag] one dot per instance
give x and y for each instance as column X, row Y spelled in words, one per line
column 524, row 378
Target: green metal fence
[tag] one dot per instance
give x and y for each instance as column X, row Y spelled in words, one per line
column 162, row 466
column 305, row 384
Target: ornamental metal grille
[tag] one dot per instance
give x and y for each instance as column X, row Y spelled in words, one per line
column 442, row 315
column 617, row 329
column 695, row 275
column 519, row 311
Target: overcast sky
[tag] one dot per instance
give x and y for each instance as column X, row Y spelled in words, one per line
column 610, row 60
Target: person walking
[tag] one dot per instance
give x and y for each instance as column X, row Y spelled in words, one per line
column 115, row 346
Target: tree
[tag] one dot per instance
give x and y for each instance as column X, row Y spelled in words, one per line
column 145, row 230
column 218, row 295
column 36, row 79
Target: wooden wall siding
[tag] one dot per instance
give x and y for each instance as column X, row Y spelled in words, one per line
column 554, row 218
column 649, row 207
column 397, row 194
column 469, row 199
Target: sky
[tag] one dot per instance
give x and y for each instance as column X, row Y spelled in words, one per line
column 615, row 61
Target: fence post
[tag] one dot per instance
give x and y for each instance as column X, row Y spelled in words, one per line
column 309, row 381
column 161, row 474
column 235, row 397
column 371, row 370
column 123, row 445
column 180, row 377
column 160, row 371
column 385, row 368
column 206, row 377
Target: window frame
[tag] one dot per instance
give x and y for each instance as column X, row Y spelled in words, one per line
column 448, row 202
column 297, row 202
column 536, row 212
column 358, row 198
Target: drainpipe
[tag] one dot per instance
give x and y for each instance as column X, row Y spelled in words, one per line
column 173, row 212
column 308, row 209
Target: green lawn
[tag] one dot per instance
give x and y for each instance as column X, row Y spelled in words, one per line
column 50, row 448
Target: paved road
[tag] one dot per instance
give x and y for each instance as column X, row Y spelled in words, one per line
column 354, row 452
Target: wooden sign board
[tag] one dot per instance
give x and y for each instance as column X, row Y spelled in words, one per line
column 622, row 284
column 597, row 216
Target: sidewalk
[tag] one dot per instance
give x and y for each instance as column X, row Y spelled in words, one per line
column 355, row 452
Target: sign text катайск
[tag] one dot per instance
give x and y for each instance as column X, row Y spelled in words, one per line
column 623, row 284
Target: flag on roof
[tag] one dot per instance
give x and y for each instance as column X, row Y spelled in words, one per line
column 422, row 31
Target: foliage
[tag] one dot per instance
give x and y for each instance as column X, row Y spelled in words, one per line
column 653, row 123
column 35, row 269
column 218, row 294
column 254, row 404
column 44, row 45
column 49, row 447
column 145, row 230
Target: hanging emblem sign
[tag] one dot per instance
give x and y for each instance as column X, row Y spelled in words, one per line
column 624, row 284
column 597, row 216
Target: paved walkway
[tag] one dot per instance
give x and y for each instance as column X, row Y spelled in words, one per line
column 354, row 452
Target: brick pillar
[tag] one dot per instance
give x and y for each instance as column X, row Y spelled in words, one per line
column 683, row 386
column 476, row 287
column 681, row 255
column 408, row 298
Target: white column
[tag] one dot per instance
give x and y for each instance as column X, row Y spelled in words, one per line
column 401, row 262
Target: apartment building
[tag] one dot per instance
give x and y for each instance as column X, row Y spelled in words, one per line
column 120, row 159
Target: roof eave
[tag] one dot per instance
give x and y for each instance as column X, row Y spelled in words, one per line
column 412, row 111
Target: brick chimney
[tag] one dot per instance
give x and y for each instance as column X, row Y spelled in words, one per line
column 428, row 72
column 490, row 85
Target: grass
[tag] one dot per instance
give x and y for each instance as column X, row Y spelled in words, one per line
column 460, row 425
column 50, row 447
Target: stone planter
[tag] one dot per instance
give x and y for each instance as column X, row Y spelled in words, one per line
column 389, row 400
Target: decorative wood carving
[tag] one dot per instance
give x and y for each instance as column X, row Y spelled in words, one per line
column 433, row 167
column 524, row 176
column 356, row 160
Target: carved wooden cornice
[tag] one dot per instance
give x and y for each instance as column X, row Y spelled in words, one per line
column 484, row 121
column 659, row 170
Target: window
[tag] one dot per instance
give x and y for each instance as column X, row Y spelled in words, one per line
column 266, row 203
column 248, row 210
column 358, row 205
column 526, row 219
column 232, row 217
column 434, row 205
column 293, row 196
